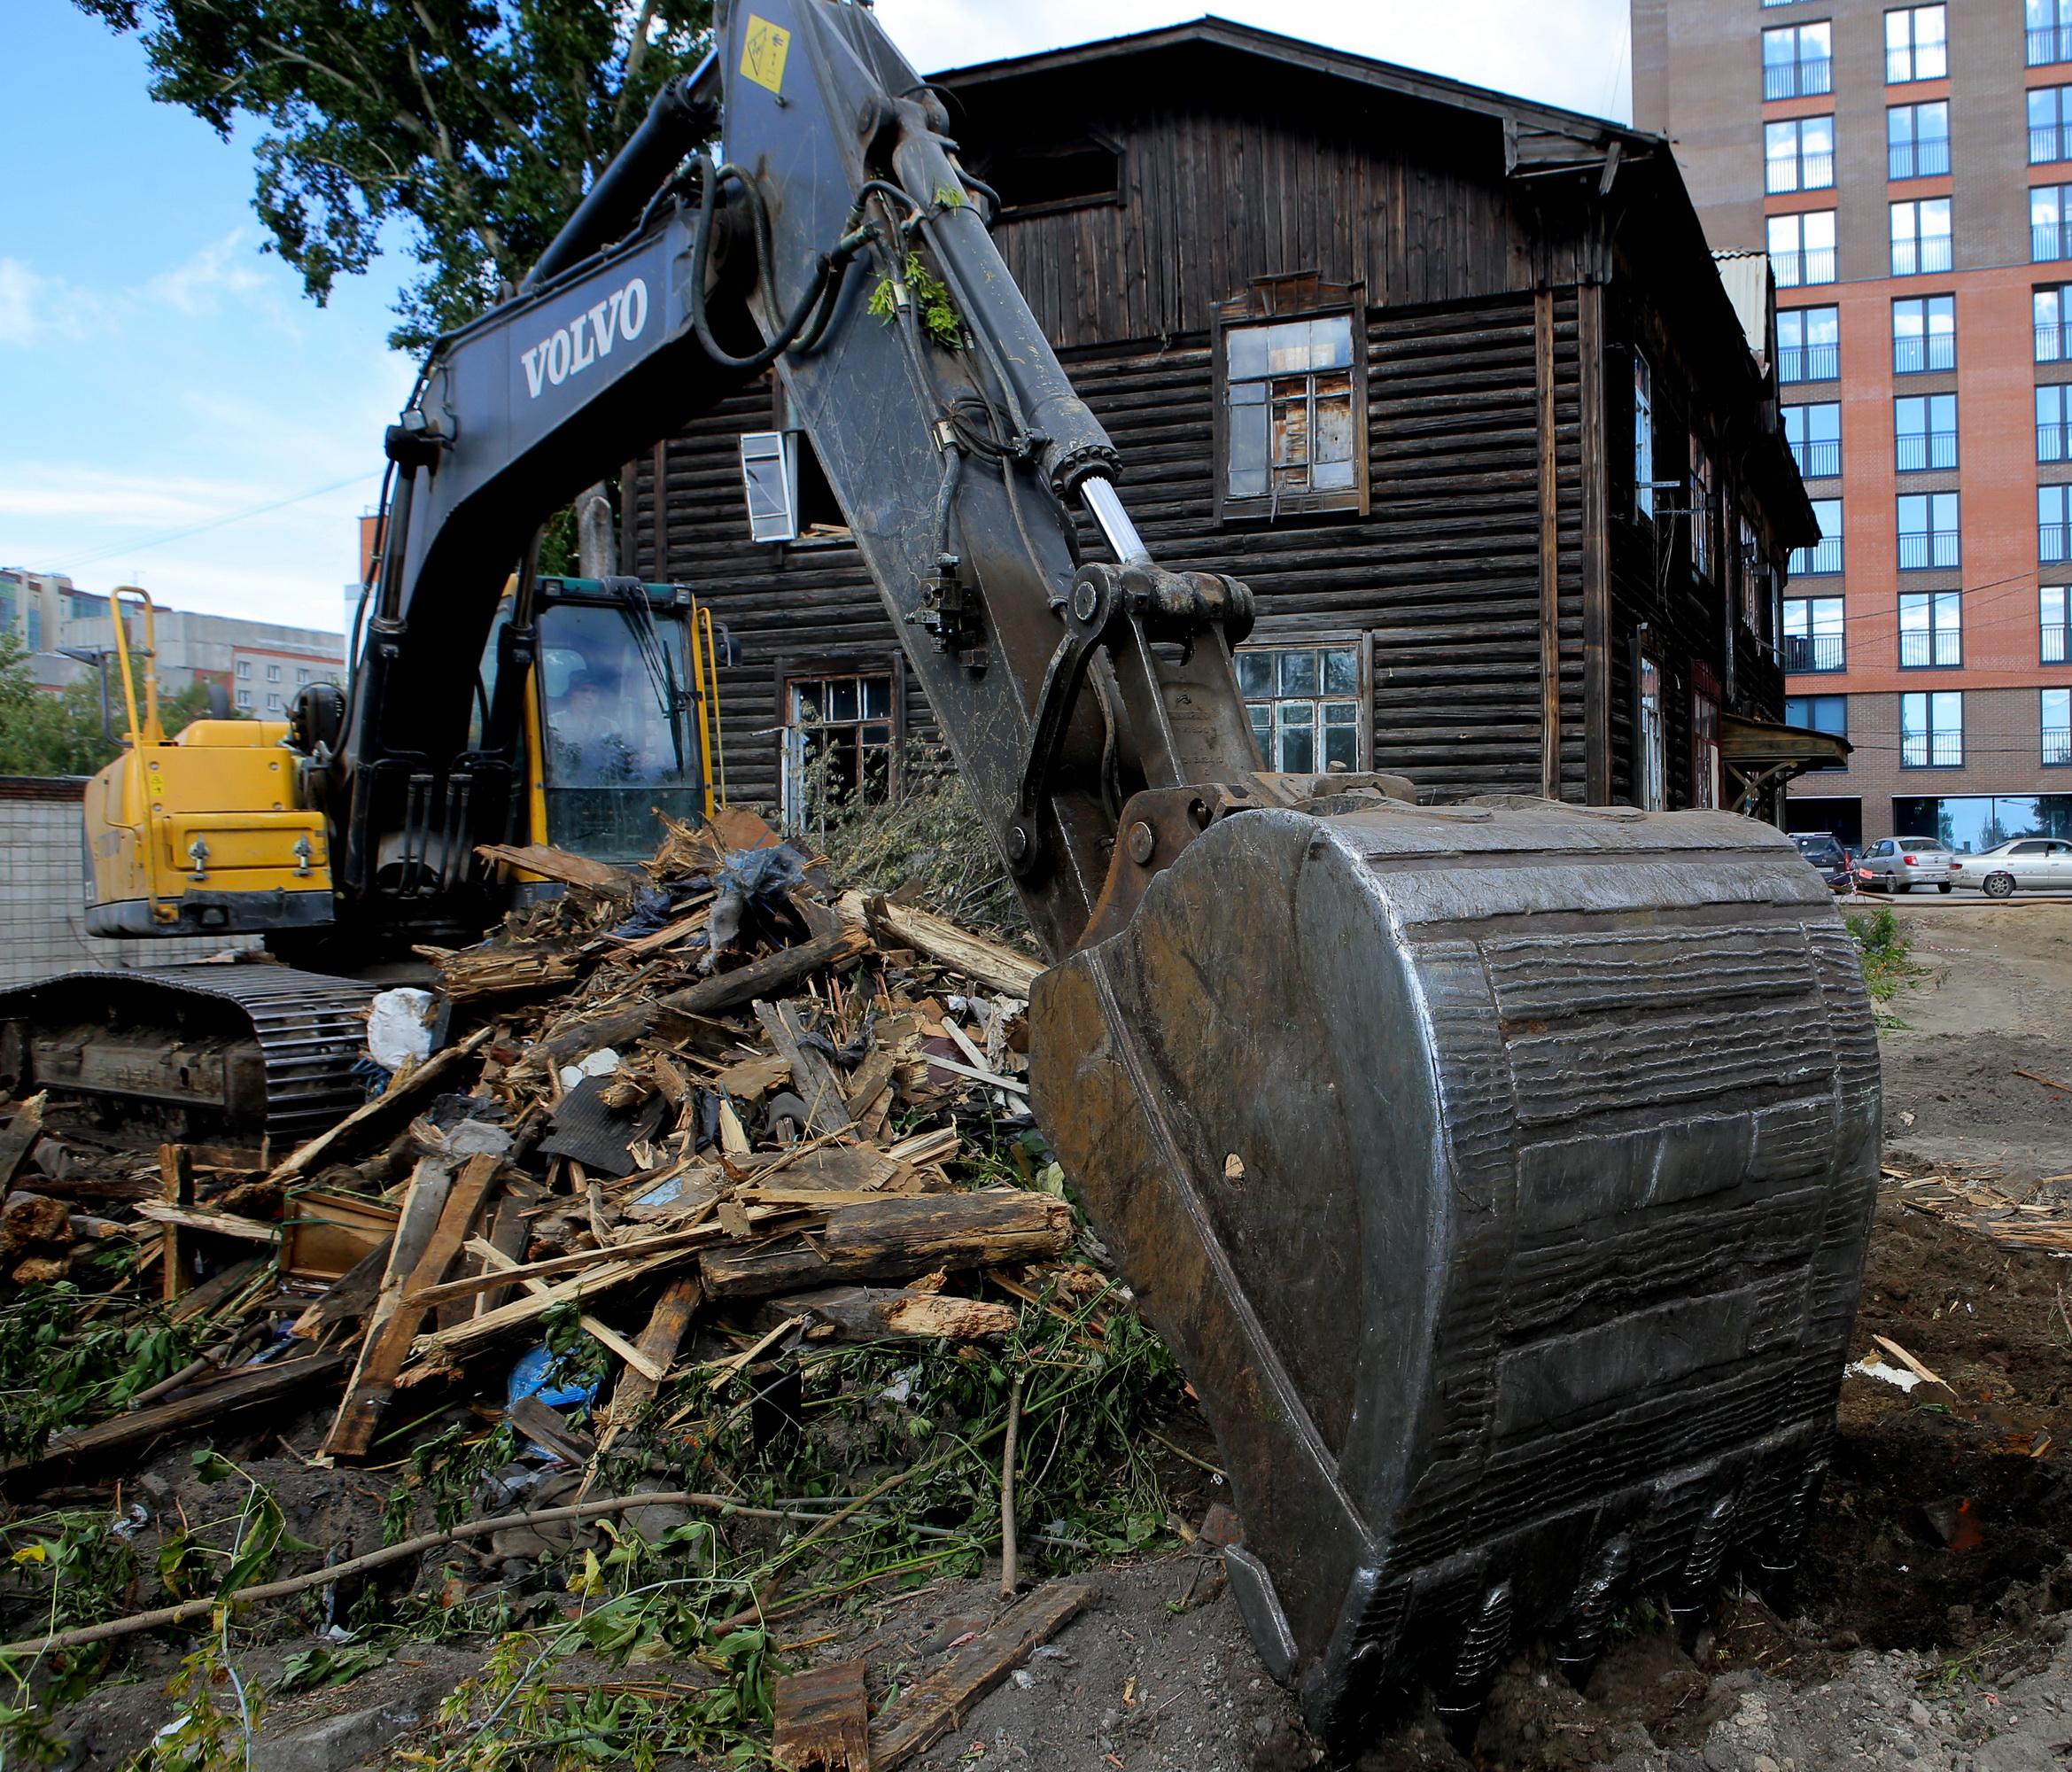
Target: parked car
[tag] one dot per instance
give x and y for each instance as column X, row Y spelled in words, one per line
column 1826, row 852
column 2036, row 864
column 1898, row 864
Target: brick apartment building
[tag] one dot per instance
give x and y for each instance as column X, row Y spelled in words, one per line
column 1909, row 169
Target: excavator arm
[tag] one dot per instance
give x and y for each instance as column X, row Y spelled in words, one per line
column 1499, row 1172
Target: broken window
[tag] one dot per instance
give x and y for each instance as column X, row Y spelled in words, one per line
column 1293, row 399
column 1306, row 705
column 838, row 744
column 1654, row 756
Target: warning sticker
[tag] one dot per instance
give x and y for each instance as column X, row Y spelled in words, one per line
column 763, row 53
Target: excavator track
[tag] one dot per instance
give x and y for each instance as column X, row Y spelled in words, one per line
column 241, row 1052
column 1501, row 1174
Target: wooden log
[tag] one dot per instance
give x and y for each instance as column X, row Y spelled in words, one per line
column 23, row 1130
column 658, row 1343
column 207, row 1408
column 34, row 1218
column 926, row 1709
column 176, row 1176
column 896, row 1238
column 812, row 1078
column 215, row 1223
column 821, row 1720
column 384, row 1108
column 853, row 1314
column 992, row 965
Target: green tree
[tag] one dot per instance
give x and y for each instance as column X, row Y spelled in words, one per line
column 478, row 123
column 61, row 735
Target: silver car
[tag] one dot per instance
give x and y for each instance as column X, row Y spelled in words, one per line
column 1898, row 864
column 2036, row 864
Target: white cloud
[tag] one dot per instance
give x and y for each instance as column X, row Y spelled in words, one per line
column 33, row 307
column 226, row 268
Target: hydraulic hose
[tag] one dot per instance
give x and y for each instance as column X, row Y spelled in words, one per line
column 816, row 306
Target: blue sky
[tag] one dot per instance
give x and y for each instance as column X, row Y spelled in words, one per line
column 174, row 413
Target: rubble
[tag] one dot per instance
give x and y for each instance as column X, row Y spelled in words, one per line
column 713, row 1199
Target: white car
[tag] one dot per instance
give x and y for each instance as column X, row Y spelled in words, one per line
column 1898, row 864
column 2036, row 864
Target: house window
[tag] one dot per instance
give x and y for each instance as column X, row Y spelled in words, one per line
column 1813, row 635
column 1929, row 631
column 2050, row 124
column 1917, row 140
column 2051, row 514
column 1820, row 713
column 1814, row 433
column 2049, row 206
column 1917, row 44
column 1809, row 343
column 1653, row 752
column 1931, row 730
column 1920, row 237
column 244, row 698
column 1293, row 410
column 2054, row 606
column 1825, row 556
column 301, row 676
column 35, row 627
column 1036, row 180
column 1798, row 154
column 1924, row 431
column 2056, row 710
column 1927, row 530
column 273, row 673
column 1705, row 738
column 1924, row 334
column 1701, row 510
column 1305, row 704
column 2053, row 306
column 838, row 744
column 1643, row 437
column 2050, row 32
column 2050, row 422
column 1753, row 576
column 1802, row 248
column 245, row 670
column 272, row 700
column 1798, row 60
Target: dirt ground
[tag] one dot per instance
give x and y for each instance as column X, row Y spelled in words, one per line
column 1930, row 1628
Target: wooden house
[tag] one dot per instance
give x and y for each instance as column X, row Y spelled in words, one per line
column 1451, row 379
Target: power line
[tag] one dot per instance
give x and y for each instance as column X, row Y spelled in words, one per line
column 150, row 542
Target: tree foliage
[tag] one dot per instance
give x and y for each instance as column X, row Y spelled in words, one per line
column 480, row 123
column 61, row 735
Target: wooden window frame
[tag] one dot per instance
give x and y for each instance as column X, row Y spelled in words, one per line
column 1266, row 638
column 1302, row 295
column 801, row 666
column 1010, row 211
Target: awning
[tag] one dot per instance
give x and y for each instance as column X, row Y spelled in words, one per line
column 1760, row 755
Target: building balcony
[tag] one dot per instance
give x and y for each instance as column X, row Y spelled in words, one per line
column 1916, row 356
column 1918, row 159
column 1806, row 78
column 1925, row 649
column 1915, row 61
column 2057, row 744
column 1924, row 257
column 2056, row 643
column 2050, row 342
column 1806, row 654
column 2049, row 442
column 1819, row 561
column 2050, row 541
column 1818, row 461
column 1917, row 452
column 2047, row 242
column 1793, row 269
column 1809, row 363
column 2049, row 45
column 1921, row 549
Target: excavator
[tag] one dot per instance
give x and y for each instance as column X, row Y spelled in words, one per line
column 1499, row 1172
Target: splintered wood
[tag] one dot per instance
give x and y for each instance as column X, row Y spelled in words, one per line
column 2013, row 1220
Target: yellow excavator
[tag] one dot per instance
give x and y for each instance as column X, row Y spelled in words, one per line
column 1499, row 1172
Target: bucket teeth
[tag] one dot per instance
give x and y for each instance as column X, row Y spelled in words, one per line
column 1775, row 1558
column 1690, row 1602
column 1480, row 1652
column 1581, row 1638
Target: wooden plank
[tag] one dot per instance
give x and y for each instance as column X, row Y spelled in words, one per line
column 465, row 1339
column 558, row 864
column 812, row 1078
column 1543, row 372
column 388, row 1342
column 440, row 1065
column 602, row 1333
column 176, row 1263
column 177, row 1218
column 821, row 1720
column 658, row 1343
column 23, row 1130
column 930, row 1709
column 855, row 1314
column 994, row 966
column 507, row 1233
column 554, row 1266
column 1596, row 550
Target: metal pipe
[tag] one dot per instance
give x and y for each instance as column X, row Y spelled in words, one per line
column 1106, row 508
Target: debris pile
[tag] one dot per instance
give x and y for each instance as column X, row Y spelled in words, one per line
column 698, row 1266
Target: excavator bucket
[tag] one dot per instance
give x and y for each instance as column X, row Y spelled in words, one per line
column 1501, row 1174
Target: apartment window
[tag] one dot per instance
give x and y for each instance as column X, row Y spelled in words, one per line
column 1704, row 738
column 1305, row 704
column 2054, row 617
column 1927, row 530
column 36, row 627
column 1826, row 554
column 1802, row 248
column 1820, row 713
column 1920, row 236
column 272, row 700
column 2055, row 708
column 2050, row 423
column 244, row 698
column 1929, row 632
column 1917, row 140
column 1754, row 577
column 1924, row 431
column 1643, row 437
column 1931, row 730
column 2050, row 124
column 245, row 670
column 2053, row 306
column 1654, row 748
column 1814, row 433
column 1701, row 510
column 838, row 744
column 301, row 676
column 2050, row 523
column 1813, row 629
column 1917, row 44
column 1924, row 334
column 2049, row 206
column 1798, row 60
column 2050, row 32
column 1809, row 343
column 1293, row 405
column 273, row 673
column 1798, row 154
